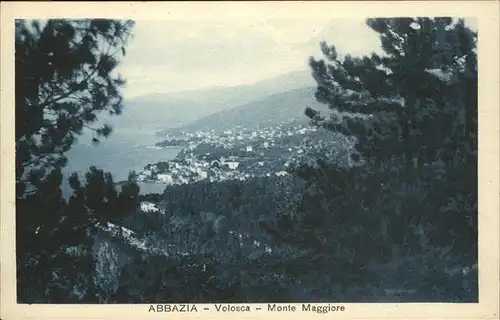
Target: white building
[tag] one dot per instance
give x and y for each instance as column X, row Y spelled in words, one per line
column 147, row 206
column 232, row 164
column 281, row 173
column 166, row 178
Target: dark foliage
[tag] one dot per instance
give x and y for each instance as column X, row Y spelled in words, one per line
column 63, row 80
column 412, row 193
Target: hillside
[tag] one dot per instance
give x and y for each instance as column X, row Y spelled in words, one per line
column 174, row 109
column 274, row 109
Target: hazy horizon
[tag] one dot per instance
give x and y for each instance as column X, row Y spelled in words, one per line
column 197, row 55
column 192, row 55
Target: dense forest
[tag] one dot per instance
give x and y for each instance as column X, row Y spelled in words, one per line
column 397, row 222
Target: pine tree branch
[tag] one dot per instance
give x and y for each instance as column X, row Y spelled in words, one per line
column 86, row 80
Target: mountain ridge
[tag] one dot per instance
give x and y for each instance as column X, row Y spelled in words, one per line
column 167, row 110
column 281, row 107
column 283, row 82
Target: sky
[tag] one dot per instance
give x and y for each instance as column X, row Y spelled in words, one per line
column 177, row 55
column 169, row 56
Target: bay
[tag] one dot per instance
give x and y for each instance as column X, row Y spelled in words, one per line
column 126, row 149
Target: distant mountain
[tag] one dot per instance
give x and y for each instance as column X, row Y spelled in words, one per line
column 274, row 109
column 166, row 110
column 244, row 93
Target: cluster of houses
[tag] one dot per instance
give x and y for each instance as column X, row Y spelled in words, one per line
column 234, row 154
column 232, row 138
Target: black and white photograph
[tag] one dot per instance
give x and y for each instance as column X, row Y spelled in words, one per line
column 314, row 161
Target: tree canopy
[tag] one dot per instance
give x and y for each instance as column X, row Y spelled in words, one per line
column 417, row 101
column 64, row 78
column 412, row 181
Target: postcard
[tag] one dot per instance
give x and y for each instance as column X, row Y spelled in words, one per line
column 250, row 160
